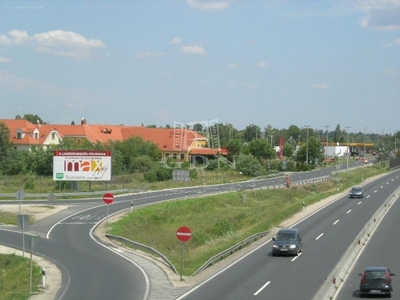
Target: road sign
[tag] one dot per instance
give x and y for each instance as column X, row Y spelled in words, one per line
column 20, row 195
column 183, row 234
column 108, row 198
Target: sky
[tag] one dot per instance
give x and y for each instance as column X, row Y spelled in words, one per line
column 311, row 63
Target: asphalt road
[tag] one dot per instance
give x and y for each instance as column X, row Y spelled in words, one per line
column 94, row 272
column 326, row 235
column 382, row 249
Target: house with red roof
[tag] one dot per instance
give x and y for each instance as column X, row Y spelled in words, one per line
column 176, row 143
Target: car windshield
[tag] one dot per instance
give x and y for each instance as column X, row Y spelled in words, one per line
column 285, row 237
column 355, row 189
column 375, row 274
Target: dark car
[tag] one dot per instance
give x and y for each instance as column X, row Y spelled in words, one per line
column 287, row 242
column 356, row 192
column 376, row 281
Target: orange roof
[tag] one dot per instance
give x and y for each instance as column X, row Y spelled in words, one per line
column 167, row 139
column 26, row 128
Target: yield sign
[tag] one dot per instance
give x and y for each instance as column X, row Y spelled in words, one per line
column 108, row 198
column 183, row 234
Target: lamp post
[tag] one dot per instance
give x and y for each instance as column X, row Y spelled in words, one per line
column 307, row 126
column 271, row 140
column 327, row 136
column 347, row 156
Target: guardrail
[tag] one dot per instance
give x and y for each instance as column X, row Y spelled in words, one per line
column 211, row 261
column 136, row 245
column 230, row 251
column 47, row 196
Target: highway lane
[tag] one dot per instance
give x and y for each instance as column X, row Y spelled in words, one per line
column 326, row 236
column 382, row 249
column 76, row 249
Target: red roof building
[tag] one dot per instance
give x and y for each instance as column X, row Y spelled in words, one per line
column 176, row 143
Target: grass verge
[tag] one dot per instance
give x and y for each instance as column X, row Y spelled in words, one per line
column 15, row 277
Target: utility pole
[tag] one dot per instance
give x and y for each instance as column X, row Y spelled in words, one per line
column 364, row 141
column 307, row 126
column 327, row 136
column 347, row 156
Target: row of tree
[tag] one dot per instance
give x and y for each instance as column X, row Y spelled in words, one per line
column 253, row 152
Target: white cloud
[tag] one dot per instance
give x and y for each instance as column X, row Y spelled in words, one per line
column 4, row 60
column 208, row 4
column 175, row 41
column 262, row 64
column 56, row 42
column 233, row 66
column 321, row 86
column 392, row 72
column 149, row 55
column 380, row 14
column 396, row 42
column 193, row 49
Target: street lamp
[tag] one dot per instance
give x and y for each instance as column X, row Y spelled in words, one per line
column 347, row 158
column 327, row 132
column 307, row 126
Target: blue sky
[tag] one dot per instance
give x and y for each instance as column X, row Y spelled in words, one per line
column 242, row 62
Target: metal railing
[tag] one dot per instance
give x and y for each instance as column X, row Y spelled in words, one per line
column 136, row 245
column 230, row 251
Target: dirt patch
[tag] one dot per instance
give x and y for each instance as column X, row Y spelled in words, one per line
column 37, row 211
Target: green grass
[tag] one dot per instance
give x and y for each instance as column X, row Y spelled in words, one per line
column 15, row 277
column 220, row 221
column 43, row 185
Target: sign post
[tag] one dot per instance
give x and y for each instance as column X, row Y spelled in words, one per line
column 108, row 198
column 183, row 234
column 20, row 195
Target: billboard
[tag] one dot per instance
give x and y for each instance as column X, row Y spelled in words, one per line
column 80, row 165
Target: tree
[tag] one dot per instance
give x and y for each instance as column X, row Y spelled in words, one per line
column 5, row 143
column 288, row 149
column 293, row 131
column 34, row 119
column 248, row 165
column 252, row 132
column 261, row 149
column 234, row 147
column 198, row 127
column 338, row 136
column 314, row 151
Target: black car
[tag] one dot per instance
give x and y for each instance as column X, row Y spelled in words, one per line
column 376, row 281
column 287, row 241
column 356, row 192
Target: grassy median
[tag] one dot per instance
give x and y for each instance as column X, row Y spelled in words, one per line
column 220, row 221
column 15, row 277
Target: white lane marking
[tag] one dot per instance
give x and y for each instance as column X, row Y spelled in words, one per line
column 77, row 223
column 318, row 237
column 381, row 186
column 375, row 191
column 263, row 287
column 359, row 203
column 348, row 211
column 337, row 221
column 294, row 258
column 387, row 182
column 367, row 196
